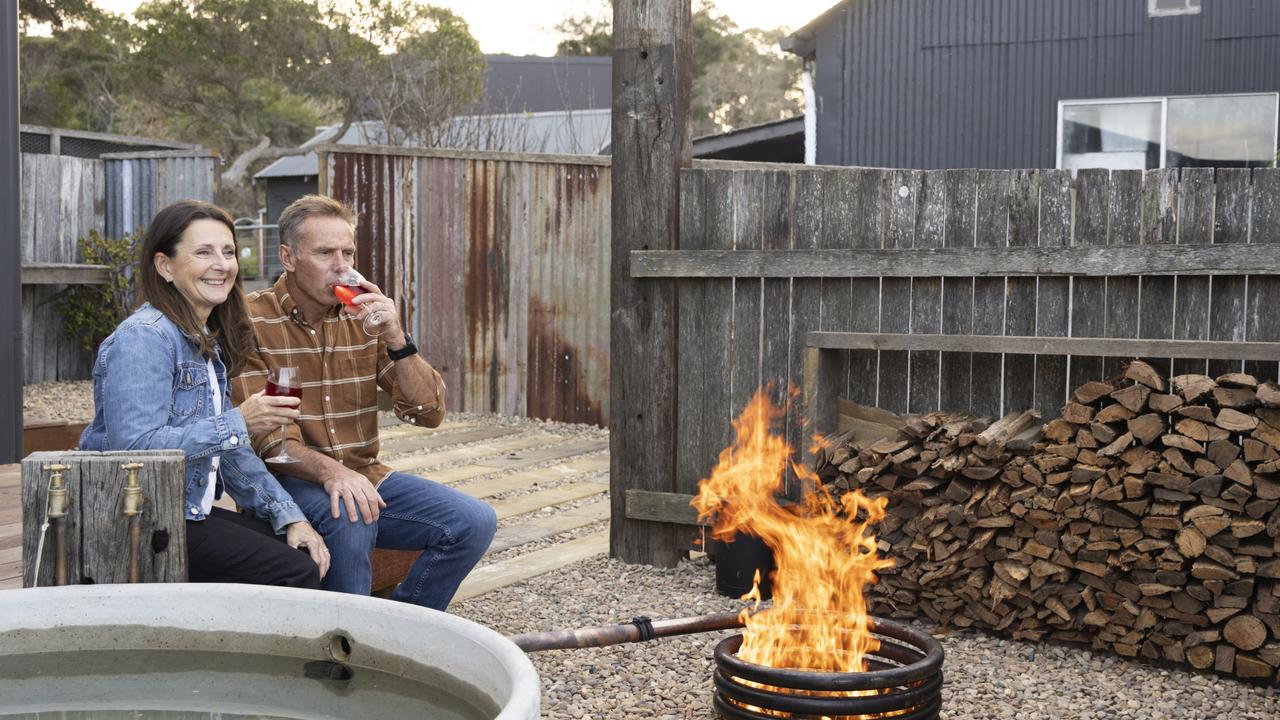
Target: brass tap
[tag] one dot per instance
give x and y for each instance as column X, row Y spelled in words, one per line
column 57, row 491
column 132, row 490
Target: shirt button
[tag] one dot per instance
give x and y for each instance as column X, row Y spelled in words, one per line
column 326, row 398
column 419, row 407
column 235, row 440
column 313, row 332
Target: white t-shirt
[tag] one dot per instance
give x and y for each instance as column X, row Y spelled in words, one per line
column 206, row 503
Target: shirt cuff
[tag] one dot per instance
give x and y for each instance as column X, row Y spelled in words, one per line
column 232, row 432
column 284, row 514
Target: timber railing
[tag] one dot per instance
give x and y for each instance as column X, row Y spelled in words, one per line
column 979, row 290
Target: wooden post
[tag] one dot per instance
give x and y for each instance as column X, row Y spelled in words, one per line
column 652, row 82
column 96, row 531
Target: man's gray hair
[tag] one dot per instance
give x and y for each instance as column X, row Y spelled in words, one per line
column 309, row 206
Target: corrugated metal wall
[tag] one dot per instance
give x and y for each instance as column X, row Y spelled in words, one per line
column 139, row 184
column 975, row 83
column 502, row 263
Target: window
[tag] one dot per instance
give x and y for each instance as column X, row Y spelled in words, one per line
column 1160, row 8
column 1145, row 133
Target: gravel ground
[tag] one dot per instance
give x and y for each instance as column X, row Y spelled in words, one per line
column 71, row 401
column 669, row 678
column 987, row 677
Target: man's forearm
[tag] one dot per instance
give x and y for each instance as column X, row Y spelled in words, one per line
column 312, row 466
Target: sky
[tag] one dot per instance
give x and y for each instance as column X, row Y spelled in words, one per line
column 524, row 27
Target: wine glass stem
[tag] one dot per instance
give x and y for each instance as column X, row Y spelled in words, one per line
column 284, row 439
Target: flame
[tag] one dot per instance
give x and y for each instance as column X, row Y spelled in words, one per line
column 822, row 549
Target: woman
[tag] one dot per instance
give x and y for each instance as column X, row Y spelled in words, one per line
column 160, row 382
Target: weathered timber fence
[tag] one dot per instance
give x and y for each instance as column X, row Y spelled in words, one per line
column 63, row 198
column 769, row 256
column 501, row 264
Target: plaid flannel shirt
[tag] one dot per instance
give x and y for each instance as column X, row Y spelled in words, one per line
column 341, row 369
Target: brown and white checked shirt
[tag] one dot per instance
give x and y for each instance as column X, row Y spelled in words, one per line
column 341, row 369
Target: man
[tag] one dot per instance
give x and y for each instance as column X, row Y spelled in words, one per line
column 354, row 501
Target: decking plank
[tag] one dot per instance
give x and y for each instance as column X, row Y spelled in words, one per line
column 509, row 572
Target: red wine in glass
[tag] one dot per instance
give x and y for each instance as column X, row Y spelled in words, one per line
column 347, row 294
column 347, row 289
column 275, row 390
column 284, row 381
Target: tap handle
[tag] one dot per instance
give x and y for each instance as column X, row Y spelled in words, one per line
column 132, row 489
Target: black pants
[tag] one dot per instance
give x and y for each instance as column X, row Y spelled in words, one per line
column 232, row 547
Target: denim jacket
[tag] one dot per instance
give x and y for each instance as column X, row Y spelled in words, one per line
column 148, row 354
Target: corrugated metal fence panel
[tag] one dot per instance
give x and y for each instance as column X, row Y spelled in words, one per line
column 60, row 203
column 512, row 293
column 380, row 189
column 138, row 186
column 840, row 208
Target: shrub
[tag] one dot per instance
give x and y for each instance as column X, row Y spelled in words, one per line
column 91, row 312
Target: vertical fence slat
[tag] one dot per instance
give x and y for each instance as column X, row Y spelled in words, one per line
column 837, row 292
column 992, row 222
column 1191, row 293
column 895, row 293
column 866, row 230
column 1053, row 293
column 806, row 293
column 1227, row 293
column 1264, row 321
column 748, row 220
column 692, row 459
column 1020, row 292
column 716, row 340
column 926, row 293
column 775, row 317
column 1089, row 295
column 1159, row 227
column 776, row 312
column 1125, row 207
column 956, row 375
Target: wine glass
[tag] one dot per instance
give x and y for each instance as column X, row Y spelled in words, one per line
column 284, row 381
column 346, row 290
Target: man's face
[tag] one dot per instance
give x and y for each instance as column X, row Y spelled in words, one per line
column 326, row 249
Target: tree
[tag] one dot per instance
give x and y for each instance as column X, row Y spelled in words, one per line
column 76, row 76
column 417, row 66
column 740, row 77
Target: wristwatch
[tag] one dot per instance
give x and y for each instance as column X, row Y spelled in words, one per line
column 404, row 352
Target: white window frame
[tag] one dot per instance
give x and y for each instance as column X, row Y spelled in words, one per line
column 1164, row 114
column 1186, row 9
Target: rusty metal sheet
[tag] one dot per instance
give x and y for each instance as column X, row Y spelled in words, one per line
column 513, row 286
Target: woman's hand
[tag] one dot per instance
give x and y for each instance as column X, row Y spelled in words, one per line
column 264, row 413
column 302, row 535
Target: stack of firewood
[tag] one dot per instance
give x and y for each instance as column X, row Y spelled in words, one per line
column 1144, row 520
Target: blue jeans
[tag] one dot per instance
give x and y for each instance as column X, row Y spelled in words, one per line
column 452, row 529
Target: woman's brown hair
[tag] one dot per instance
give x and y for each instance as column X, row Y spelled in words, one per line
column 229, row 325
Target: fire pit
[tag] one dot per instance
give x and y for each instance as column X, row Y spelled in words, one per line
column 816, row 652
column 903, row 680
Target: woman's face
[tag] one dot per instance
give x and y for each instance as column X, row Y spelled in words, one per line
column 203, row 267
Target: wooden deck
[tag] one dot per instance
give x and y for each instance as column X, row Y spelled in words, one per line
column 566, row 479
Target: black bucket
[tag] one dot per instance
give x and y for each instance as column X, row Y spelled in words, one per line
column 737, row 562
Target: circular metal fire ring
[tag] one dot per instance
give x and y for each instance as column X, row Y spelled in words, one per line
column 903, row 681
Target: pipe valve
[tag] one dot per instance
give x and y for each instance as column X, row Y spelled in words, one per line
column 132, row 489
column 57, row 491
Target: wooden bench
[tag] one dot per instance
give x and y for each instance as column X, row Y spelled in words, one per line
column 822, row 357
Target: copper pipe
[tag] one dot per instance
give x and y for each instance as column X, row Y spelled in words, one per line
column 133, row 511
column 57, row 517
column 638, row 630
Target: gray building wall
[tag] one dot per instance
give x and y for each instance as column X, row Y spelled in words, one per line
column 975, row 83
